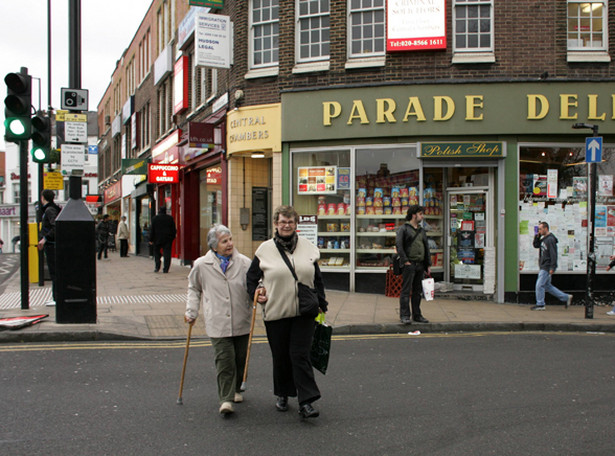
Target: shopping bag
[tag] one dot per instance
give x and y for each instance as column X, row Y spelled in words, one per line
column 428, row 288
column 321, row 344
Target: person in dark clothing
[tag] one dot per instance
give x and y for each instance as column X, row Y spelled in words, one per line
column 102, row 232
column 414, row 256
column 547, row 261
column 47, row 235
column 161, row 236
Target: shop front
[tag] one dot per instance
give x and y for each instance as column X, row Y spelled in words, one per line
column 358, row 158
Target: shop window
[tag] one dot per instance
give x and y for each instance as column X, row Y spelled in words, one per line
column 553, row 187
column 210, row 203
column 322, row 189
column 587, row 31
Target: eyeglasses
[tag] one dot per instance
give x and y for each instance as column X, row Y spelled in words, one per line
column 291, row 223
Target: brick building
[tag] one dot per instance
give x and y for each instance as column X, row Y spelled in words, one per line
column 351, row 111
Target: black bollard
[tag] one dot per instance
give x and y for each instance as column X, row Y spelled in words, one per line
column 75, row 260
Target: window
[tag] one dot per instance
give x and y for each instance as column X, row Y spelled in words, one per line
column 165, row 21
column 144, row 126
column 144, row 56
column 264, row 32
column 367, row 28
column 587, row 31
column 16, row 198
column 199, row 90
column 473, row 31
column 165, row 107
column 313, row 27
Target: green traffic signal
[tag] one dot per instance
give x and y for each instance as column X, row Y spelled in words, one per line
column 17, row 106
column 41, row 138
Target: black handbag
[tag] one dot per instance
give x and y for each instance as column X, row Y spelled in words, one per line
column 321, row 345
column 308, row 297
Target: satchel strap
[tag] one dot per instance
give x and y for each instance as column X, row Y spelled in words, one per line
column 286, row 260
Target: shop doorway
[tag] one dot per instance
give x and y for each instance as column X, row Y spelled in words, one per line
column 470, row 264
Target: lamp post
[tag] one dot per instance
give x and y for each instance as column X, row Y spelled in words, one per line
column 591, row 204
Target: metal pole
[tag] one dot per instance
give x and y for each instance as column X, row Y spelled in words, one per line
column 591, row 256
column 23, row 222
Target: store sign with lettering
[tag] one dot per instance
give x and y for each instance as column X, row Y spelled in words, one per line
column 163, row 174
column 471, row 149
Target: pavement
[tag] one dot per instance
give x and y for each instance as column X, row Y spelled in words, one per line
column 135, row 303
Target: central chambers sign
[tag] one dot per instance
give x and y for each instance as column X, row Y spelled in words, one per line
column 447, row 109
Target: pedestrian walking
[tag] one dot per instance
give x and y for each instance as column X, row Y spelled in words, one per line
column 218, row 282
column 415, row 260
column 161, row 236
column 123, row 235
column 102, row 233
column 47, row 241
column 611, row 312
column 289, row 333
column 547, row 262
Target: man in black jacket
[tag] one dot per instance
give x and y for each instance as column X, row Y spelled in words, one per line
column 161, row 237
column 414, row 256
column 547, row 261
column 47, row 240
column 102, row 231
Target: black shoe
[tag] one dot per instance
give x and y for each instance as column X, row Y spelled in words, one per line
column 282, row 404
column 406, row 321
column 165, row 272
column 421, row 319
column 155, row 270
column 307, row 411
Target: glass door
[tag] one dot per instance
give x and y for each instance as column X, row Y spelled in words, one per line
column 468, row 237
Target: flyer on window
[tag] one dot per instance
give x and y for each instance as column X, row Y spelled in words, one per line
column 605, row 184
column 317, row 180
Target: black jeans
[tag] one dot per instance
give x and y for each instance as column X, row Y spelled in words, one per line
column 412, row 275
column 123, row 247
column 102, row 246
column 166, row 254
column 50, row 254
column 290, row 340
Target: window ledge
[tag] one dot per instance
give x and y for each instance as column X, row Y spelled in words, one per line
column 311, row 67
column 366, row 62
column 588, row 56
column 262, row 72
column 473, row 57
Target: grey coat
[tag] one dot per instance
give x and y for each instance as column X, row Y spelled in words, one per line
column 226, row 304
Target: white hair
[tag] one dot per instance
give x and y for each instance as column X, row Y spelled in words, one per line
column 214, row 232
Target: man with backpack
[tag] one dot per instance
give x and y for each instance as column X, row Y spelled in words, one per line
column 415, row 260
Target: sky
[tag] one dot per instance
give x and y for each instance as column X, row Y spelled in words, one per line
column 107, row 28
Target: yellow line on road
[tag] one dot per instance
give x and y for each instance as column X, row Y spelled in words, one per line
column 176, row 344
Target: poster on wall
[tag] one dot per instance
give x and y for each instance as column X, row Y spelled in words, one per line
column 605, row 184
column 551, row 183
column 308, row 228
column 414, row 26
column 317, row 180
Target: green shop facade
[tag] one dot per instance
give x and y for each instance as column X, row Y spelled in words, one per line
column 488, row 161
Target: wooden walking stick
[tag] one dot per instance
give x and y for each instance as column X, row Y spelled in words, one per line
column 245, row 370
column 181, row 383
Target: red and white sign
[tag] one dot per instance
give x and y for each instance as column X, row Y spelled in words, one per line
column 163, row 173
column 416, row 25
column 180, row 84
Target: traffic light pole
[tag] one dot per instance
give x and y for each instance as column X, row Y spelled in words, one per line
column 23, row 223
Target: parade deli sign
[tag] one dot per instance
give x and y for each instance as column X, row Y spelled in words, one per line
column 163, row 174
column 447, row 109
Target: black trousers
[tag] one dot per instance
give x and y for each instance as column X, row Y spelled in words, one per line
column 412, row 275
column 290, row 340
column 50, row 254
column 166, row 254
column 123, row 247
column 102, row 246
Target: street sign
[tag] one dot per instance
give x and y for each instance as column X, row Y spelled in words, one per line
column 74, row 99
column 53, row 180
column 76, row 132
column 593, row 149
column 92, row 149
column 73, row 159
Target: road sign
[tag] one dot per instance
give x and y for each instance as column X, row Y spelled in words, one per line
column 593, row 149
column 76, row 132
column 74, row 99
column 53, row 180
column 92, row 149
column 73, row 159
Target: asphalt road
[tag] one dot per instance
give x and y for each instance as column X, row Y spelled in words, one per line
column 465, row 394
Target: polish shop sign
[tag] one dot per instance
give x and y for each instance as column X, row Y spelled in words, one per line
column 163, row 173
column 471, row 149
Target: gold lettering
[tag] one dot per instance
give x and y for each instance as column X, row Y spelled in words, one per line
column 593, row 108
column 415, row 109
column 438, row 102
column 533, row 100
column 566, row 102
column 385, row 107
column 358, row 112
column 473, row 102
column 330, row 110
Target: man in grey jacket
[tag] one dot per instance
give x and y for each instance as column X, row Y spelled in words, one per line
column 547, row 261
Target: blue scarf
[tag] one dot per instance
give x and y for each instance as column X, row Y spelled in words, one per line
column 224, row 261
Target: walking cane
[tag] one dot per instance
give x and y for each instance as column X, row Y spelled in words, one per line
column 245, row 370
column 181, row 383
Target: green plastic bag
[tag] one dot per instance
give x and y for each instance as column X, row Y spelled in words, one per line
column 321, row 344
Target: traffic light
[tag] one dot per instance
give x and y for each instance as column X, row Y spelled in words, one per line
column 18, row 102
column 41, row 138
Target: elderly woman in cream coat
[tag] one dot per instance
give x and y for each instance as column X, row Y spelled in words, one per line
column 218, row 282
